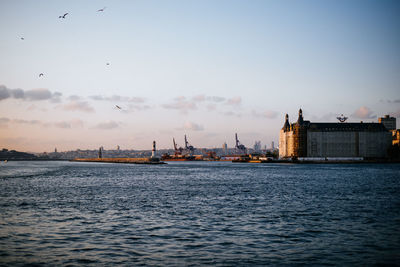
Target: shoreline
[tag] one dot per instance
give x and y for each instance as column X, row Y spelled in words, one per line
column 121, row 160
column 318, row 161
column 149, row 161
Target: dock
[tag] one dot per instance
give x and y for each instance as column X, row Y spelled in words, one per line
column 121, row 160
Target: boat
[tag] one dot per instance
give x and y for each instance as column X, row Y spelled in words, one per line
column 177, row 157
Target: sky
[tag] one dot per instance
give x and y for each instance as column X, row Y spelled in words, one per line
column 207, row 69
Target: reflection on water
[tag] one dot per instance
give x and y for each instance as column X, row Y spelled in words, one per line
column 198, row 213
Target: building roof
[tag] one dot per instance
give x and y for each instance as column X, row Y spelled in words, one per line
column 332, row 126
column 353, row 127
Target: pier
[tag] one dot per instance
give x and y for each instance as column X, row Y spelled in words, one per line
column 121, row 160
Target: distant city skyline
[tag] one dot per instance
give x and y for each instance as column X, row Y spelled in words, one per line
column 140, row 71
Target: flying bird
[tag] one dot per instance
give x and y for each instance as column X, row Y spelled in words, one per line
column 108, row 64
column 101, row 9
column 342, row 118
column 22, row 38
column 63, row 16
column 118, row 107
column 41, row 75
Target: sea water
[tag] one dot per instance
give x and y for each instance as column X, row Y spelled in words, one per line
column 198, row 213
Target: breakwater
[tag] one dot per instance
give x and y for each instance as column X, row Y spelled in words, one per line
column 122, row 160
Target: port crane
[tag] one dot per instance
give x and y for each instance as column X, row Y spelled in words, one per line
column 239, row 146
column 178, row 151
column 188, row 147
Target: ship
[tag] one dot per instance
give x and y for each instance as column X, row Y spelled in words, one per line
column 181, row 154
column 168, row 157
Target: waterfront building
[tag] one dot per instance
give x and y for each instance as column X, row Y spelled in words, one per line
column 388, row 122
column 257, row 146
column 339, row 140
column 224, row 148
column 396, row 137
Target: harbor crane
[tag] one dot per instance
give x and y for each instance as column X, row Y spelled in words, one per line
column 178, row 151
column 188, row 147
column 239, row 146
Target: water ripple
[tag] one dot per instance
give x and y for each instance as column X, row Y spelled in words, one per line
column 193, row 213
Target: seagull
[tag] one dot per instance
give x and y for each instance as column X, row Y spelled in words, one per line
column 22, row 38
column 118, row 107
column 41, row 75
column 63, row 16
column 108, row 64
column 101, row 9
column 342, row 118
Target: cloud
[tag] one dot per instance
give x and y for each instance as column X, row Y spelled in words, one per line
column 37, row 94
column 211, row 107
column 269, row 114
column 4, row 92
column 74, row 98
column 204, row 98
column 180, row 103
column 106, row 125
column 199, row 98
column 234, row 101
column 200, row 101
column 17, row 93
column 75, row 123
column 395, row 114
column 32, row 122
column 62, row 124
column 137, row 99
column 396, row 101
column 78, row 106
column 118, row 98
column 29, row 95
column 184, row 105
column 97, row 97
column 193, row 126
column 363, row 113
column 231, row 113
column 132, row 108
column 216, row 98
column 34, row 107
column 4, row 122
column 70, row 124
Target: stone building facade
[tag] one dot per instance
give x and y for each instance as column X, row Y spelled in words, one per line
column 340, row 140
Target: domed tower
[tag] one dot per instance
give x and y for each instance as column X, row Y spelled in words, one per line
column 300, row 137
